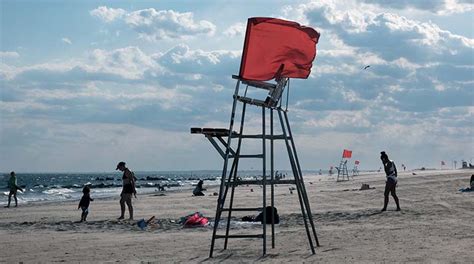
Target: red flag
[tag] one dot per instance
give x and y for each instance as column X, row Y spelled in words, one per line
column 271, row 43
column 357, row 162
column 347, row 154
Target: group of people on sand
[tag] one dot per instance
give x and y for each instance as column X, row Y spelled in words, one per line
column 128, row 190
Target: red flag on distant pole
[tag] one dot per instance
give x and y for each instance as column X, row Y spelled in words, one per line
column 356, row 162
column 271, row 43
column 347, row 154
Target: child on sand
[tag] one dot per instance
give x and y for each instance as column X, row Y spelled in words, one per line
column 84, row 203
column 12, row 185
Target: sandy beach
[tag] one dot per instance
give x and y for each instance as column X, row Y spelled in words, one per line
column 435, row 225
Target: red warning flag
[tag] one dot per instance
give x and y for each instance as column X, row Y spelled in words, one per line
column 357, row 162
column 347, row 154
column 277, row 47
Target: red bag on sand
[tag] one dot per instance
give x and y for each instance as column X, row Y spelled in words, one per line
column 196, row 220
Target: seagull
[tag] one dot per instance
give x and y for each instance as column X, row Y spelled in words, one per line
column 366, row 67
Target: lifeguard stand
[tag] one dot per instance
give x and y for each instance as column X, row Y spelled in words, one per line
column 342, row 172
column 230, row 179
column 355, row 170
column 273, row 49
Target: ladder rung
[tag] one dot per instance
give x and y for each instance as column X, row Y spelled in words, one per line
column 259, row 136
column 257, row 84
column 239, row 236
column 243, row 209
column 254, row 156
column 259, row 182
column 251, row 101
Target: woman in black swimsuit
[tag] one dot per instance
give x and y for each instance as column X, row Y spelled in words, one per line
column 128, row 189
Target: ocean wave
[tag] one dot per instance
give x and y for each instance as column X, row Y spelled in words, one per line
column 59, row 192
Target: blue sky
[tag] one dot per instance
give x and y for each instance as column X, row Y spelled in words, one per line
column 85, row 84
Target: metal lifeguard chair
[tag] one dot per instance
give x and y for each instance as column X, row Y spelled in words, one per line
column 342, row 172
column 223, row 141
column 355, row 170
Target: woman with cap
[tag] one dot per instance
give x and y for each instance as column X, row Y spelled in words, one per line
column 128, row 189
column 391, row 183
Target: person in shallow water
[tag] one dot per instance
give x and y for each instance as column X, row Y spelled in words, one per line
column 12, row 185
column 391, row 183
column 128, row 189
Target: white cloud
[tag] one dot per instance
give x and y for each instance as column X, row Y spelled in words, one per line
column 107, row 14
column 237, row 29
column 154, row 25
column 9, row 54
column 441, row 7
column 129, row 62
column 66, row 40
column 217, row 62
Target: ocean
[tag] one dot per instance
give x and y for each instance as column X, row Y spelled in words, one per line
column 68, row 186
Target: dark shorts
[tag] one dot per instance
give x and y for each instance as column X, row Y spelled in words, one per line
column 128, row 188
column 390, row 186
column 85, row 209
column 126, row 198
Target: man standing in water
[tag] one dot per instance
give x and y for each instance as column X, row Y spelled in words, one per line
column 128, row 189
column 12, row 185
column 391, row 183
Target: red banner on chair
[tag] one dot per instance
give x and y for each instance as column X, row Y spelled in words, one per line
column 347, row 154
column 275, row 47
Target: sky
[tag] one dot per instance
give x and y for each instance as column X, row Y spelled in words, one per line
column 85, row 84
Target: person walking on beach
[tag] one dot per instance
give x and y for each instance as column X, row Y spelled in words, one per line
column 391, row 183
column 12, row 185
column 84, row 203
column 128, row 189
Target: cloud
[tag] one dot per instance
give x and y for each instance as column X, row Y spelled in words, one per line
column 67, row 41
column 236, row 30
column 154, row 25
column 420, row 59
column 417, row 94
column 128, row 63
column 9, row 54
column 185, row 60
column 107, row 14
column 442, row 7
column 122, row 84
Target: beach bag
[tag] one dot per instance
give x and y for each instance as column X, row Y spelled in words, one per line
column 270, row 211
column 196, row 219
